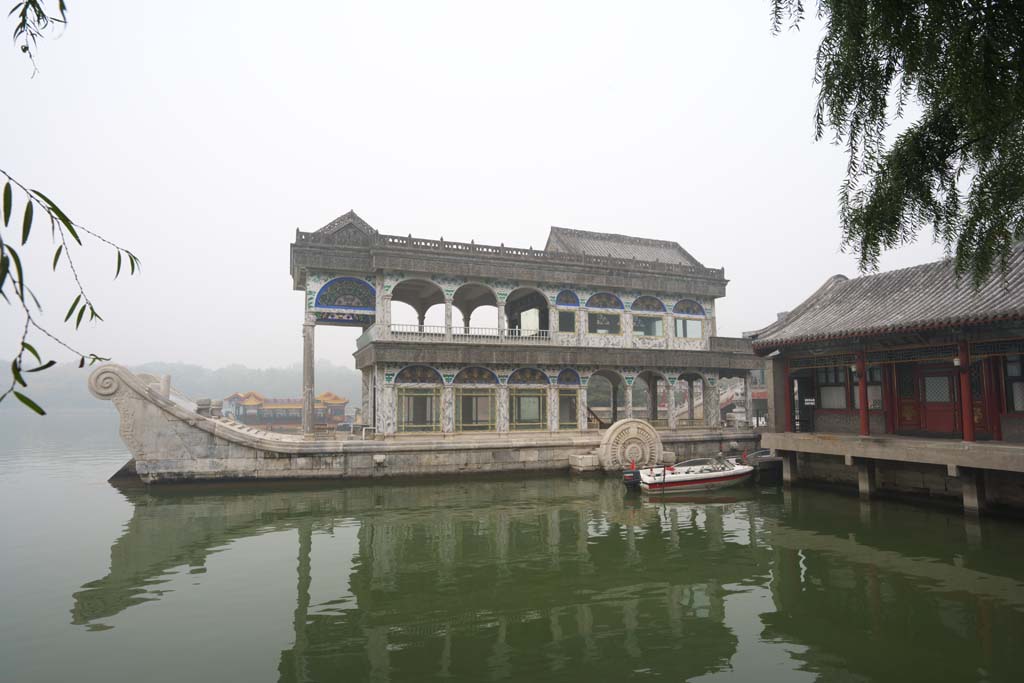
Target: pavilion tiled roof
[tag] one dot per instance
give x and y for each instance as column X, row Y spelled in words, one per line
column 566, row 240
column 929, row 296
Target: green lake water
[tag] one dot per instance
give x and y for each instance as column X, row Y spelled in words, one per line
column 533, row 579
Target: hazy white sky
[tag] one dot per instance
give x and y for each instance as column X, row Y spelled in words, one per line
column 202, row 134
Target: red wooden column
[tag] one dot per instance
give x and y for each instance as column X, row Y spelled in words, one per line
column 862, row 390
column 788, row 394
column 889, row 398
column 994, row 409
column 966, row 398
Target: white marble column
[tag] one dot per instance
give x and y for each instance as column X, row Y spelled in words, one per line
column 690, row 398
column 447, row 409
column 670, row 406
column 502, row 321
column 552, row 407
column 628, row 408
column 367, row 394
column 627, row 329
column 581, row 408
column 710, row 400
column 308, row 328
column 748, row 400
column 552, row 321
column 448, row 319
column 389, row 408
column 502, row 422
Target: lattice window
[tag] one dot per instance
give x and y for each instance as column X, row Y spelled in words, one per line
column 649, row 326
column 832, row 388
column 528, row 409
column 874, row 389
column 475, row 409
column 1015, row 383
column 908, row 355
column 938, row 389
column 568, row 403
column 688, row 328
column 419, row 409
column 998, row 348
column 822, row 361
column 604, row 323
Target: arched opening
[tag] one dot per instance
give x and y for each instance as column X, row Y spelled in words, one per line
column 733, row 391
column 476, row 404
column 690, row 400
column 604, row 314
column 478, row 306
column 568, row 305
column 418, row 389
column 422, row 296
column 650, row 397
column 528, row 400
column 606, row 394
column 526, row 309
column 689, row 319
column 568, row 399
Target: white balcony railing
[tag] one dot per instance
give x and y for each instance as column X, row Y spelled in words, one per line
column 459, row 335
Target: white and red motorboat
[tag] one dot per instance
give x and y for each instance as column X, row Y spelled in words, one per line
column 702, row 474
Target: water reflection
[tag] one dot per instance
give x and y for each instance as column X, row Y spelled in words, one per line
column 514, row 579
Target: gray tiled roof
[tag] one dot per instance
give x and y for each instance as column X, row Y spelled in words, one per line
column 569, row 241
column 928, row 296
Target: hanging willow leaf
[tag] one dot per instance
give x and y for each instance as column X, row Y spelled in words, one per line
column 16, row 372
column 31, row 349
column 8, row 201
column 26, row 223
column 56, row 256
column 81, row 314
column 60, row 215
column 29, row 402
column 118, row 271
column 44, row 366
column 17, row 267
column 74, row 305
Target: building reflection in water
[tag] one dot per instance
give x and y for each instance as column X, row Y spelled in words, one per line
column 512, row 579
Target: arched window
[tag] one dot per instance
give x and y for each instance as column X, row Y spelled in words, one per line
column 648, row 303
column 568, row 399
column 690, row 327
column 567, row 298
column 604, row 300
column 419, row 399
column 527, row 402
column 347, row 292
column 476, row 407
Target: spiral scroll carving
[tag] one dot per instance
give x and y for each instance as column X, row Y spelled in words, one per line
column 629, row 441
column 105, row 382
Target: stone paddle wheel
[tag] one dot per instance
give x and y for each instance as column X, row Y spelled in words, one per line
column 628, row 441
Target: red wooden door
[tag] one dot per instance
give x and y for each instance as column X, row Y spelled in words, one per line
column 939, row 403
column 908, row 400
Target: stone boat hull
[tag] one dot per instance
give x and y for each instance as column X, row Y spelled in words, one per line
column 170, row 442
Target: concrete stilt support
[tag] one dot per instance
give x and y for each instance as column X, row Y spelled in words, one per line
column 972, row 482
column 865, row 479
column 789, row 468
